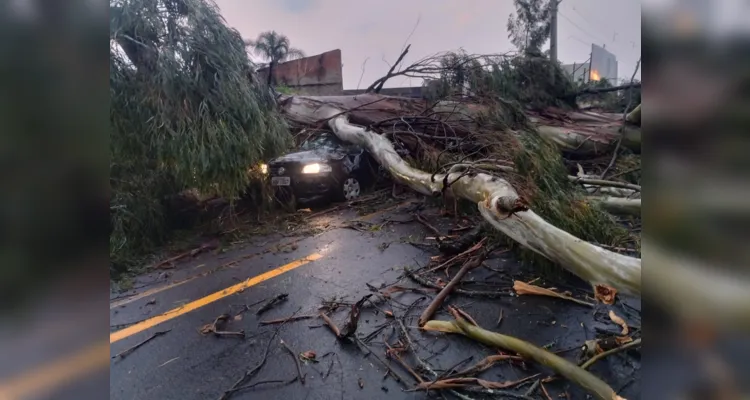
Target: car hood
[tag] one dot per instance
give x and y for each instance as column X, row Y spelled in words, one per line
column 309, row 156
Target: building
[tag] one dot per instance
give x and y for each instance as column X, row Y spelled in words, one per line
column 601, row 65
column 319, row 75
column 579, row 72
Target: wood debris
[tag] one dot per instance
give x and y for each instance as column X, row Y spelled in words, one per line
column 619, row 321
column 523, row 288
column 605, row 294
column 271, row 303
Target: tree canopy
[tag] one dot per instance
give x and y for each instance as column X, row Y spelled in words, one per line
column 529, row 28
column 186, row 112
column 275, row 48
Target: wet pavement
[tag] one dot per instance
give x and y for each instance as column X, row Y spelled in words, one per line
column 336, row 264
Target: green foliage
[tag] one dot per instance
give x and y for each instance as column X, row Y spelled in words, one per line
column 529, row 29
column 274, row 47
column 543, row 180
column 528, row 81
column 186, row 112
column 510, row 85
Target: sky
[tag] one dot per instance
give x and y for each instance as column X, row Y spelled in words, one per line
column 369, row 33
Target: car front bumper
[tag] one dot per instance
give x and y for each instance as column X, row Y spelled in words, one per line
column 311, row 186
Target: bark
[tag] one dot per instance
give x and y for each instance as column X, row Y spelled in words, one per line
column 498, row 202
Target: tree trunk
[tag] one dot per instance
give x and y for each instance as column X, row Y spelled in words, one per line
column 583, row 134
column 619, row 205
column 271, row 78
column 496, row 199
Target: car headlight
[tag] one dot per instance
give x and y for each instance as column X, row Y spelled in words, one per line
column 316, row 168
column 263, row 169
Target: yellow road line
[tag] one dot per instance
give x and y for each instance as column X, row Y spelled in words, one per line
column 153, row 291
column 150, row 292
column 151, row 322
column 43, row 380
column 58, row 373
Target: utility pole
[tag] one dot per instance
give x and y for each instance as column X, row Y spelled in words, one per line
column 553, row 31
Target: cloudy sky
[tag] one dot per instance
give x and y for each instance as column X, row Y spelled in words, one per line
column 377, row 30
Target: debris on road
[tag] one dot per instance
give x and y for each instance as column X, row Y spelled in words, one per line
column 605, row 294
column 291, row 352
column 438, row 301
column 523, row 288
column 289, row 319
column 271, row 303
column 125, row 353
column 454, row 383
column 601, row 355
column 619, row 321
column 249, row 374
column 308, row 356
column 353, row 321
column 578, row 375
column 216, row 327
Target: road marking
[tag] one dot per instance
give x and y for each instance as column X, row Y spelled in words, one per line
column 150, row 292
column 186, row 308
column 58, row 373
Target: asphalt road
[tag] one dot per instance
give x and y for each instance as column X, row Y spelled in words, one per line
column 337, row 264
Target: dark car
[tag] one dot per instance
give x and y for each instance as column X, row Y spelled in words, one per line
column 324, row 168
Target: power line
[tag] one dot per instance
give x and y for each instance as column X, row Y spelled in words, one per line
column 596, row 26
column 580, row 40
column 581, row 29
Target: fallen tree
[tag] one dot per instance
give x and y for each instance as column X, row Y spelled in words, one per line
column 582, row 134
column 496, row 198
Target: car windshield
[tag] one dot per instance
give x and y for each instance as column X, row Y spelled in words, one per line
column 321, row 141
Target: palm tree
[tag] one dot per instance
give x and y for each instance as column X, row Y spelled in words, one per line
column 275, row 48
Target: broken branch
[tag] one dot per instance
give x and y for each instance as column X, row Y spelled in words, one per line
column 331, row 324
column 378, row 84
column 250, row 373
column 471, row 293
column 296, row 361
column 438, row 300
column 484, row 365
column 272, row 302
column 453, row 383
column 125, row 353
column 599, row 356
column 574, row 373
column 523, row 288
column 289, row 319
